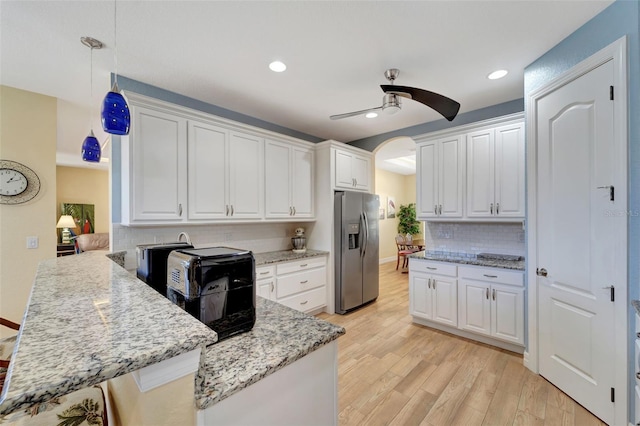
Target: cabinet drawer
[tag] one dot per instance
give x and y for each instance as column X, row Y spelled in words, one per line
column 300, row 281
column 300, row 265
column 306, row 301
column 418, row 265
column 265, row 272
column 493, row 275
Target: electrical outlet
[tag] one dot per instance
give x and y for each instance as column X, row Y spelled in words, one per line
column 32, row 242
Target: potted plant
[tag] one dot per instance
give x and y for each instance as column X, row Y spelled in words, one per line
column 407, row 223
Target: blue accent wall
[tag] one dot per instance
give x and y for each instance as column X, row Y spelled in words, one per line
column 620, row 19
column 505, row 108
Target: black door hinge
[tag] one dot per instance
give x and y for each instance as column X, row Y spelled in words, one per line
column 611, row 92
column 613, row 395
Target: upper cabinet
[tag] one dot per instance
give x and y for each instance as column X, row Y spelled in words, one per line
column 184, row 166
column 474, row 173
column 440, row 166
column 289, row 177
column 154, row 165
column 495, row 173
column 352, row 171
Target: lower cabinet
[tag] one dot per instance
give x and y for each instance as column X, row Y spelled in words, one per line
column 470, row 300
column 299, row 284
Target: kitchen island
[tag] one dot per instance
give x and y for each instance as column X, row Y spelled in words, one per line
column 88, row 321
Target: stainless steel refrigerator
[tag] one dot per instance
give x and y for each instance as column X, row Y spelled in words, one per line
column 355, row 249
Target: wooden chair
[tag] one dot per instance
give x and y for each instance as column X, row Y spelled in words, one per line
column 404, row 250
column 84, row 406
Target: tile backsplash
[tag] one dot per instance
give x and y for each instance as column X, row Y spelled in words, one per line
column 502, row 238
column 257, row 237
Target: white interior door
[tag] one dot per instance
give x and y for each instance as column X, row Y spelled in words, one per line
column 576, row 233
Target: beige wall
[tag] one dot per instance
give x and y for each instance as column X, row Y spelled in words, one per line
column 403, row 188
column 85, row 186
column 28, row 136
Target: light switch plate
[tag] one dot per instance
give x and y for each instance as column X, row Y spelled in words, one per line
column 32, row 242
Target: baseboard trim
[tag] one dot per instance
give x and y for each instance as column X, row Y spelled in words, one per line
column 387, row 260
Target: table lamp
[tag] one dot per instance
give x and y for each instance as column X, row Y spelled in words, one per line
column 66, row 222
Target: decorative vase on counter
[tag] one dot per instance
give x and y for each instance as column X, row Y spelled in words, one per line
column 299, row 242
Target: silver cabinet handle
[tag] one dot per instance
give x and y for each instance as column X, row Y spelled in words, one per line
column 497, row 208
column 487, row 293
column 432, row 268
column 294, row 210
column 429, row 283
column 227, row 209
column 638, row 375
column 440, row 210
column 491, row 208
column 303, row 265
column 433, row 284
column 435, row 209
column 272, row 288
column 493, row 294
column 304, row 282
column 304, row 303
column 490, row 276
column 356, row 180
column 180, row 209
column 231, row 209
column 290, row 210
column 264, row 273
column 638, row 335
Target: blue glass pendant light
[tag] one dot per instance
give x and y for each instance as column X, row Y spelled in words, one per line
column 115, row 111
column 91, row 149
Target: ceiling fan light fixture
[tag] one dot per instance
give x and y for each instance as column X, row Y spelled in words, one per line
column 497, row 74
column 371, row 115
column 277, row 66
column 390, row 104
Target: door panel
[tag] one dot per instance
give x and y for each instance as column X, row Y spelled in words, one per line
column 507, row 313
column 450, row 189
column 428, row 184
column 575, row 130
column 420, row 296
column 246, row 175
column 302, row 191
column 474, row 307
column 445, row 304
column 509, row 171
column 277, row 161
column 480, row 173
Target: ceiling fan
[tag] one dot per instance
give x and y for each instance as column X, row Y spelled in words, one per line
column 391, row 100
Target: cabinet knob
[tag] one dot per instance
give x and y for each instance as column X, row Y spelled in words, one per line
column 638, row 335
column 638, row 375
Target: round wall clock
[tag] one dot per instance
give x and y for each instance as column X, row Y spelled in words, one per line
column 18, row 183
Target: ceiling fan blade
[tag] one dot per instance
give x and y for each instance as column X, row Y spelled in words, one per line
column 353, row 114
column 445, row 106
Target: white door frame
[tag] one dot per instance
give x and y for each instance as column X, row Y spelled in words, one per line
column 616, row 51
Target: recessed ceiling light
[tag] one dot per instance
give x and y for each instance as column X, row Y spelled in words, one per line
column 277, row 66
column 497, row 74
column 371, row 115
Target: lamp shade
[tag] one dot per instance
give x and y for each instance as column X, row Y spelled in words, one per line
column 66, row 221
column 91, row 149
column 115, row 113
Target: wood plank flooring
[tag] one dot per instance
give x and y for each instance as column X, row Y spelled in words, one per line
column 394, row 372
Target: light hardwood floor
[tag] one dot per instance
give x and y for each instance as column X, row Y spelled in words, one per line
column 394, row 372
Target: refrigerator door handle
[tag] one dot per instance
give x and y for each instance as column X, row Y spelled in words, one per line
column 366, row 233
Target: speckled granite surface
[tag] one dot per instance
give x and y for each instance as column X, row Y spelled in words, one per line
column 89, row 320
column 280, row 336
column 470, row 259
column 636, row 305
column 285, row 256
column 118, row 257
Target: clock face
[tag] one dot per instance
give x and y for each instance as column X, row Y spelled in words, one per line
column 12, row 182
column 18, row 183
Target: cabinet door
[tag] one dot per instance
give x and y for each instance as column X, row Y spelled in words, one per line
column 159, row 176
column 246, row 190
column 343, row 173
column 427, row 180
column 480, row 174
column 474, row 306
column 302, row 182
column 266, row 288
column 445, row 300
column 277, row 162
column 420, row 304
column 509, row 171
column 207, row 153
column 451, row 162
column 360, row 168
column 507, row 313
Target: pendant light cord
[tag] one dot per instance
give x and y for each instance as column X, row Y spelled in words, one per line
column 91, row 90
column 115, row 38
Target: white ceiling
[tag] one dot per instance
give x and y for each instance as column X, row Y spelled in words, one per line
column 336, row 53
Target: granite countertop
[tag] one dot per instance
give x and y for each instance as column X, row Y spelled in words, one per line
column 89, row 320
column 285, row 256
column 488, row 260
column 280, row 336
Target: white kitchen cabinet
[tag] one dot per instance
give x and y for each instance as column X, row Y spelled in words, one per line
column 154, row 167
column 266, row 281
column 440, row 173
column 433, row 292
column 289, row 180
column 225, row 173
column 491, row 302
column 495, row 172
column 352, row 171
column 302, row 284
